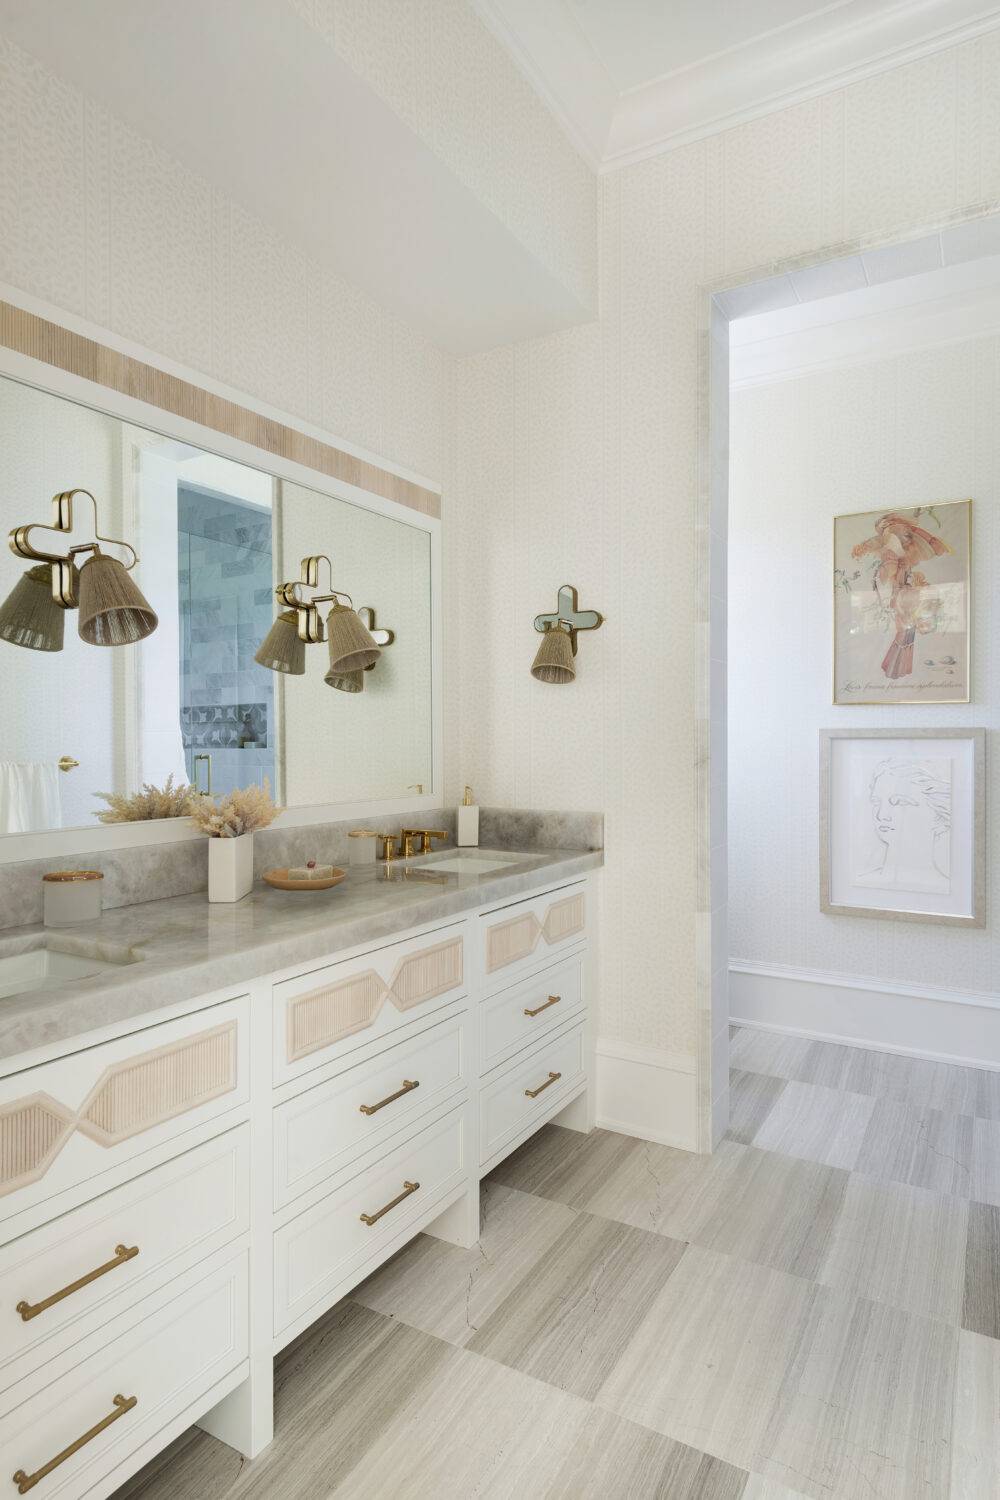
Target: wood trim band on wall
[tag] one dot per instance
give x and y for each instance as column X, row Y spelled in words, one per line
column 26, row 333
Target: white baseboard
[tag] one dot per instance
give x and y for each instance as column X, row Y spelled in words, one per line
column 951, row 1026
column 647, row 1093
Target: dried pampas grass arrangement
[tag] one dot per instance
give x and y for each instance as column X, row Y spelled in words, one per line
column 240, row 811
column 166, row 801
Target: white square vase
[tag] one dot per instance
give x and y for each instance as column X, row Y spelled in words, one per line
column 230, row 868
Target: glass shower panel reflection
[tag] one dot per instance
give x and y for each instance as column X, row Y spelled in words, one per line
column 225, row 583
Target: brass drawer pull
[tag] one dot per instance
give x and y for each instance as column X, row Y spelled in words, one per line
column 408, row 1188
column 534, row 1093
column 552, row 1000
column 26, row 1482
column 409, row 1084
column 29, row 1310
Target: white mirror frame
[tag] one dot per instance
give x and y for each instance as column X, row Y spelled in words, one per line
column 55, row 381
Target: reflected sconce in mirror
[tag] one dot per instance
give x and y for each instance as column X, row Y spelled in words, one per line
column 299, row 624
column 554, row 661
column 354, row 681
column 112, row 609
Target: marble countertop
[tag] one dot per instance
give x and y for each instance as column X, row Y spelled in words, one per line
column 183, row 947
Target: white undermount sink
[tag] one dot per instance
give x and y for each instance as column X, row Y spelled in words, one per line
column 41, row 967
column 471, row 864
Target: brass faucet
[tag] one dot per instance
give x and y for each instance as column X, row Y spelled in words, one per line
column 425, row 835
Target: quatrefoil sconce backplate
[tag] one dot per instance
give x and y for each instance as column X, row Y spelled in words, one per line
column 554, row 660
column 355, row 644
column 113, row 611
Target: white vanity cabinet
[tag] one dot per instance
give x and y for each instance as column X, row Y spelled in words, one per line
column 181, row 1198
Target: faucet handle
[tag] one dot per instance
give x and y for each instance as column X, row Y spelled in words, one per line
column 431, row 833
column 388, row 849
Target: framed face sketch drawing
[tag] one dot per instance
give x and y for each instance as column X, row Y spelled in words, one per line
column 903, row 824
column 901, row 605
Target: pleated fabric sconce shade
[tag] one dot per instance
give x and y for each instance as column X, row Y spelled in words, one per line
column 351, row 647
column 346, row 682
column 554, row 659
column 282, row 650
column 29, row 616
column 113, row 611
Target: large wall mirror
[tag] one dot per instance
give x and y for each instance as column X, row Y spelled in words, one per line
column 213, row 538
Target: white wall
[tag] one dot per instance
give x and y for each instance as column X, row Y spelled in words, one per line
column 906, row 430
column 98, row 221
column 579, row 455
column 443, row 72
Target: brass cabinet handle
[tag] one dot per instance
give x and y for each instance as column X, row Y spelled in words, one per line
column 408, row 1188
column 26, row 1482
column 534, row 1093
column 552, row 1000
column 409, row 1084
column 29, row 1310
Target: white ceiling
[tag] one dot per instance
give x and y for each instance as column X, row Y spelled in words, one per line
column 627, row 78
column 308, row 148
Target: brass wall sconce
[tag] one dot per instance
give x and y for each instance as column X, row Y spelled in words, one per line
column 112, row 609
column 352, row 647
column 554, row 659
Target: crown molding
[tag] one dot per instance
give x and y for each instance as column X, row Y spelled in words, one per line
column 781, row 69
column 841, row 44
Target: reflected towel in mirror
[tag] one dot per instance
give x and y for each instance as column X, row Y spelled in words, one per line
column 29, row 796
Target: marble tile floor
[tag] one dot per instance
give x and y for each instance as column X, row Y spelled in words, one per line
column 812, row 1311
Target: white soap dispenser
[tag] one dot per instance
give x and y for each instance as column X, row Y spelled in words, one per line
column 468, row 821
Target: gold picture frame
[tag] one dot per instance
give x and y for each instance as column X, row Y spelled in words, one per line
column 902, row 605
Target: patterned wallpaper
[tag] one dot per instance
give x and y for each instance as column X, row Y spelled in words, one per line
column 98, row 221
column 909, row 429
column 576, row 459
column 448, row 78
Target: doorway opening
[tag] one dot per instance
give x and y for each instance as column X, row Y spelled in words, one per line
column 867, row 384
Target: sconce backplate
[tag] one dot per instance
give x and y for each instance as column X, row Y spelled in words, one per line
column 366, row 614
column 568, row 612
column 302, row 594
column 22, row 542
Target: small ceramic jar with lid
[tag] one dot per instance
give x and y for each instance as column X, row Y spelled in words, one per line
column 72, row 896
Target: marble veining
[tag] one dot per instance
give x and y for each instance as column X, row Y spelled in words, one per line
column 189, row 948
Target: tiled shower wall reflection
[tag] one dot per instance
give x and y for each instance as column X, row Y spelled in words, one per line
column 226, row 609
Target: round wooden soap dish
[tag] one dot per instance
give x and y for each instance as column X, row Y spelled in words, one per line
column 279, row 879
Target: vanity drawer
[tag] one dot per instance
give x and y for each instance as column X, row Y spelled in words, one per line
column 171, row 1354
column 529, row 1092
column 322, row 1130
column 517, row 1017
column 161, row 1222
column 519, row 937
column 64, row 1123
column 326, row 1249
column 327, row 1013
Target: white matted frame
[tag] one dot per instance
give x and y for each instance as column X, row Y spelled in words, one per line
column 60, row 382
column 902, row 822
